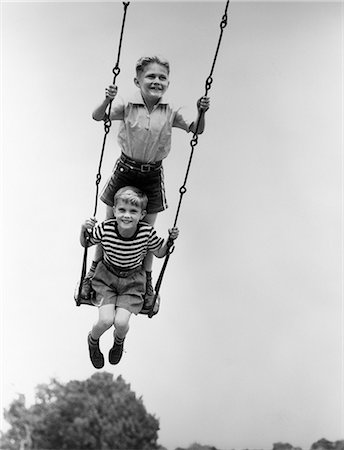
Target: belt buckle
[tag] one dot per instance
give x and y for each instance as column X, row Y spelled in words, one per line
column 145, row 167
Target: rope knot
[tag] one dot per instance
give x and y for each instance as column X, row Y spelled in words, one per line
column 223, row 22
column 116, row 70
column 194, row 141
column 208, row 83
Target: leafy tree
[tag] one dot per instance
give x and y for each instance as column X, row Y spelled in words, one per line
column 19, row 433
column 98, row 413
column 284, row 446
column 324, row 444
column 196, row 446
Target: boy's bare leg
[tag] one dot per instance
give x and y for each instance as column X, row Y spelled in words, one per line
column 148, row 261
column 105, row 321
column 121, row 322
column 106, row 314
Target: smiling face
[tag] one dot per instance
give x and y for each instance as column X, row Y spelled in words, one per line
column 153, row 82
column 127, row 216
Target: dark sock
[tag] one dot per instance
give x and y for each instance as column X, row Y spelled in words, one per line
column 93, row 342
column 118, row 340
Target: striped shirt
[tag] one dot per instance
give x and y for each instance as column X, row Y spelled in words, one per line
column 121, row 252
column 146, row 136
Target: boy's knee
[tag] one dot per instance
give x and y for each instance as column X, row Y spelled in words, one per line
column 121, row 324
column 105, row 323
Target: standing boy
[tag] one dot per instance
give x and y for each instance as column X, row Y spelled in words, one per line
column 145, row 140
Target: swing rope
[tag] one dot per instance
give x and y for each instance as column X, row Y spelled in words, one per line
column 193, row 143
column 107, row 121
column 107, row 125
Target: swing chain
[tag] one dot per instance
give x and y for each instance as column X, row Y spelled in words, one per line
column 116, row 70
column 107, row 125
column 107, row 121
column 224, row 20
column 170, row 246
column 193, row 143
column 223, row 24
column 208, row 84
column 83, row 270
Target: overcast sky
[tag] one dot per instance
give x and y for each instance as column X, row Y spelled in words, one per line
column 247, row 348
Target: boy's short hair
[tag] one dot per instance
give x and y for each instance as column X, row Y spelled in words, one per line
column 145, row 60
column 131, row 195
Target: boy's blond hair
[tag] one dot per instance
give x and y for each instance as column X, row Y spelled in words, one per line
column 131, row 195
column 145, row 60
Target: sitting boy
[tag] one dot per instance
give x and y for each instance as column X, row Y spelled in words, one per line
column 119, row 280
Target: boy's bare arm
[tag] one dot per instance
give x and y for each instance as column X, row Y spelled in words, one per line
column 173, row 234
column 110, row 93
column 202, row 106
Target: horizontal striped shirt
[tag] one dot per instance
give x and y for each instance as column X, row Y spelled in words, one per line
column 121, row 252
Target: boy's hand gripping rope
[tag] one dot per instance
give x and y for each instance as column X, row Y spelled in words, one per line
column 107, row 125
column 193, row 143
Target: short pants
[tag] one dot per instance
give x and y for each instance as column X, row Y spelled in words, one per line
column 149, row 178
column 123, row 292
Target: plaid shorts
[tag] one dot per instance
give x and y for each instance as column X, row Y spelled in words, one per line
column 123, row 292
column 149, row 178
